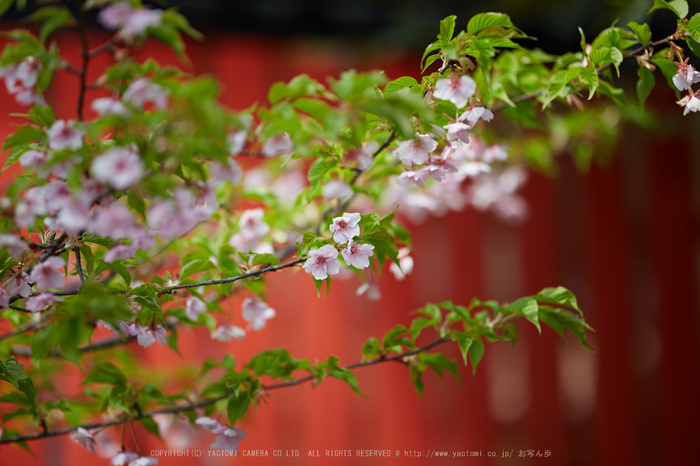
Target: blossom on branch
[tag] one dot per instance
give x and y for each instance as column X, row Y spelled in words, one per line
column 405, row 266
column 322, row 262
column 345, row 228
column 41, row 302
column 64, row 135
column 257, row 312
column 47, row 275
column 456, row 89
column 416, row 151
column 227, row 332
column 357, row 255
column 143, row 91
column 84, row 438
column 686, row 75
column 226, row 438
column 194, row 307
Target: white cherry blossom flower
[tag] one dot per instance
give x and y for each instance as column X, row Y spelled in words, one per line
column 345, row 228
column 47, row 275
column 108, row 106
column 124, row 457
column 33, row 158
column 119, row 167
column 14, row 244
column 63, row 135
column 257, row 312
column 227, row 172
column 115, row 15
column 357, row 254
column 118, row 252
column 139, row 21
column 227, row 332
column 458, row 131
column 278, row 145
column 194, row 306
column 322, row 262
column 371, row 289
column 41, row 302
column 142, row 91
column 474, row 114
column 251, row 223
column 494, row 153
column 84, row 438
column 690, row 102
column 336, row 189
column 686, row 75
column 416, row 177
column 405, row 266
column 416, row 151
column 18, row 285
column 456, row 89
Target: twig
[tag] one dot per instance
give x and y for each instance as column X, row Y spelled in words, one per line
column 82, row 21
column 78, row 264
column 210, row 401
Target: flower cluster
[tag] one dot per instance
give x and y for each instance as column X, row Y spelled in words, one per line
column 20, row 81
column 251, row 231
column 227, row 438
column 684, row 78
column 131, row 22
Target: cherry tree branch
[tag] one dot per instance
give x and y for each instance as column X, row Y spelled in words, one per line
column 82, row 21
column 203, row 403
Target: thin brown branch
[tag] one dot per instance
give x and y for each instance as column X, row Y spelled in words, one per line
column 82, row 21
column 78, row 264
column 26, row 327
column 210, row 401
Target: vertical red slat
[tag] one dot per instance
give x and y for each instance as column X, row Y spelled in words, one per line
column 674, row 234
column 607, row 263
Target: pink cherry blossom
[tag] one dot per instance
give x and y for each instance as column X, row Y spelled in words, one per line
column 686, row 75
column 15, row 245
column 456, row 89
column 472, row 169
column 115, row 15
column 17, row 285
column 251, row 223
column 336, row 189
column 193, row 307
column 236, row 141
column 494, row 153
column 416, row 151
column 362, row 157
column 497, row 192
column 4, row 297
column 119, row 252
column 28, row 71
column 33, row 158
column 41, row 302
column 229, row 439
column 257, row 312
column 440, row 167
column 357, row 254
column 124, row 457
column 691, row 102
column 142, row 91
column 322, row 262
column 457, row 132
column 140, row 20
column 72, row 215
column 345, row 228
column 227, row 172
column 47, row 275
column 84, row 438
column 119, row 167
column 370, row 287
column 210, row 424
column 473, row 114
column 63, row 135
column 227, row 332
column 405, row 266
column 108, row 106
column 278, row 145
column 146, row 336
column 416, row 177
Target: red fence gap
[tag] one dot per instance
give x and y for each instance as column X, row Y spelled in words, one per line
column 623, row 238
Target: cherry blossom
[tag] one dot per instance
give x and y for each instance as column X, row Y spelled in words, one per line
column 20, row 79
column 336, row 189
column 194, row 307
column 322, row 262
column 362, row 157
column 176, row 216
column 4, row 297
column 405, row 266
column 33, row 158
column 119, row 252
column 140, row 20
column 142, row 91
column 17, row 285
column 14, row 244
column 115, row 15
column 119, row 167
column 494, row 153
column 474, row 114
column 257, row 312
column 686, row 75
column 108, row 106
column 357, row 254
column 456, row 89
column 236, row 141
column 691, row 102
column 144, row 461
column 251, row 223
column 227, row 332
column 371, row 289
column 47, row 275
column 84, row 438
column 114, row 221
column 41, row 302
column 496, row 192
column 278, row 145
column 63, row 135
column 226, row 438
column 416, row 151
column 457, row 131
column 227, row 172
column 416, row 177
column 345, row 228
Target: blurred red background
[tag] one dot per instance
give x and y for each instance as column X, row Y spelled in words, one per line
column 623, row 238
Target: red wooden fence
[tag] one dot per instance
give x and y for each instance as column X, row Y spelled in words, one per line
column 623, row 238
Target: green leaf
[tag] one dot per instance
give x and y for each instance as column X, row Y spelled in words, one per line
column 606, row 55
column 476, row 353
column 642, row 31
column 320, row 167
column 105, row 372
column 384, row 246
column 693, row 27
column 24, row 135
column 150, row 425
column 589, row 76
column 332, row 368
column 447, row 27
column 195, row 266
column 558, row 84
column 488, row 20
column 558, row 295
column 5, row 5
column 679, row 7
column 237, row 405
column 269, row 259
column 464, row 341
column 439, row 362
column 54, row 18
column 118, row 266
column 693, row 45
column 528, row 308
column 645, row 84
column 277, row 92
column 669, row 70
column 318, row 109
column 398, row 84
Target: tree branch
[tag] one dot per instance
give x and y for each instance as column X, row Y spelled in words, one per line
column 210, row 401
column 82, row 21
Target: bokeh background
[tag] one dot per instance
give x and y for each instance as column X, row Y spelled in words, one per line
column 622, row 236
